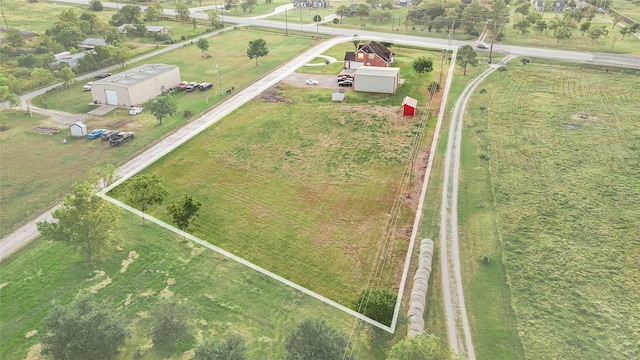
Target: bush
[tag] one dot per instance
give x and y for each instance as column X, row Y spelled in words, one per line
column 161, row 37
column 187, row 113
column 96, row 5
column 335, row 20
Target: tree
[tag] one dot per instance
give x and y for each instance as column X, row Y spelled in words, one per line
column 467, row 56
column 584, row 27
column 14, row 38
column 594, row 33
column 342, row 11
column 233, row 348
column 421, row 347
column 474, row 14
column 499, row 12
column 524, row 8
column 257, row 48
column 422, row 65
column 314, row 339
column 171, row 321
column 562, row 32
column 84, row 329
column 182, row 12
column 95, row 5
column 145, row 190
column 41, row 76
column 379, row 14
column 203, row 45
column 119, row 53
column 162, row 106
column 615, row 19
column 66, row 75
column 91, row 20
column 525, row 61
column 361, row 10
column 248, row 4
column 131, row 14
column 85, row 221
column 69, row 37
column 629, row 30
column 522, row 25
column 5, row 92
column 153, row 12
column 184, row 212
column 27, row 61
column 378, row 304
column 214, row 19
column 540, row 26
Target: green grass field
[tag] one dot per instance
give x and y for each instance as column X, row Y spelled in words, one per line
column 559, row 154
column 57, row 166
column 305, row 196
column 225, row 296
column 629, row 8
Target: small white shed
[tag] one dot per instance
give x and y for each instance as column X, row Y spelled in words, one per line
column 337, row 95
column 377, row 79
column 78, row 129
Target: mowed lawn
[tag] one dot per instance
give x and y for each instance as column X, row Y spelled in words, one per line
column 152, row 264
column 302, row 189
column 560, row 146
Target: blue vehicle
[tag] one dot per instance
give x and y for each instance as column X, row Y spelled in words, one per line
column 96, row 133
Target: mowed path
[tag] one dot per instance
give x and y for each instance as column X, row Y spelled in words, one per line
column 458, row 329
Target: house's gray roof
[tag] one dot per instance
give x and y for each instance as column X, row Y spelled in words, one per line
column 135, row 75
column 350, row 56
column 93, row 42
column 378, row 49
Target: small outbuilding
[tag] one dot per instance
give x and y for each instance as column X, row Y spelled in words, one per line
column 337, row 95
column 78, row 129
column 377, row 79
column 409, row 106
column 135, row 86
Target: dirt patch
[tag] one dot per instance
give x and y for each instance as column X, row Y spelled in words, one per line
column 102, row 284
column 3, row 285
column 47, row 130
column 583, row 116
column 34, row 352
column 149, row 292
column 166, row 293
column 189, row 354
column 126, row 262
column 4, row 128
column 170, row 281
column 127, row 301
column 30, row 334
column 324, row 81
column 98, row 275
column 273, row 94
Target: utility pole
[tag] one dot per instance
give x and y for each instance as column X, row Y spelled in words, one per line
column 286, row 29
column 219, row 81
column 300, row 8
column 494, row 36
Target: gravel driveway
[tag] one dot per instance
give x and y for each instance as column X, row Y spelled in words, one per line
column 325, row 81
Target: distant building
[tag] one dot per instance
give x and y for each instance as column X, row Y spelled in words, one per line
column 151, row 29
column 311, row 3
column 556, row 5
column 135, row 86
column 67, row 59
column 91, row 43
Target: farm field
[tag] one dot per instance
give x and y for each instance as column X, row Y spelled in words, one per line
column 303, row 186
column 23, row 195
column 559, row 154
column 153, row 264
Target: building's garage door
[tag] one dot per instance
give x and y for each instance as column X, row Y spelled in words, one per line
column 112, row 97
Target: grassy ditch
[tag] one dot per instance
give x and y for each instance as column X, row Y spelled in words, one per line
column 154, row 263
column 560, row 147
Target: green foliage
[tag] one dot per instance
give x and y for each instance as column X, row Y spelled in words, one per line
column 153, row 12
column 69, row 37
column 378, row 304
column 215, row 20
column 562, row 32
column 232, row 348
column 257, row 48
column 14, row 38
column 162, row 106
column 85, row 221
column 184, row 212
column 499, row 12
column 203, row 45
column 466, row 56
column 314, row 339
column 67, row 75
column 95, row 5
column 84, row 329
column 361, row 10
column 474, row 14
column 522, row 25
column 171, row 322
column 422, row 65
column 421, row 347
column 342, row 11
column 145, row 190
column 525, row 61
column 182, row 12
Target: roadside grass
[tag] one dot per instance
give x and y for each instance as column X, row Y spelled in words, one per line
column 42, row 15
column 628, row 9
column 225, row 296
column 58, row 166
column 563, row 163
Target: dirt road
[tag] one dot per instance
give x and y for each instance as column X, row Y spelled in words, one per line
column 456, row 313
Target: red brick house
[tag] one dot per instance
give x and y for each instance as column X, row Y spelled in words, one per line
column 369, row 54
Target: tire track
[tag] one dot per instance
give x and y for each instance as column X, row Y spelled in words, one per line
column 458, row 329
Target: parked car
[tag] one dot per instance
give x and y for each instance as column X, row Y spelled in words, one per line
column 120, row 138
column 347, row 83
column 601, row 10
column 96, row 133
column 182, row 85
column 87, row 87
column 135, row 110
column 107, row 135
column 205, row 86
column 191, row 86
column 102, row 75
column 312, row 82
column 482, row 45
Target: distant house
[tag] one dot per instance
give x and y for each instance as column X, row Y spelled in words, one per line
column 311, row 3
column 78, row 129
column 90, row 43
column 151, row 29
column 556, row 5
column 67, row 59
column 409, row 106
column 369, row 54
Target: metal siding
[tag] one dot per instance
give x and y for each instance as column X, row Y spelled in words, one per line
column 375, row 84
column 111, row 96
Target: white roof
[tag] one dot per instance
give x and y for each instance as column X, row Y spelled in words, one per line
column 377, row 71
column 136, row 75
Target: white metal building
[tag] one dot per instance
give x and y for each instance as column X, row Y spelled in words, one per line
column 135, row 86
column 78, row 129
column 376, row 79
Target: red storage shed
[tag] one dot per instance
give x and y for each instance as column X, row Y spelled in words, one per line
column 409, row 106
